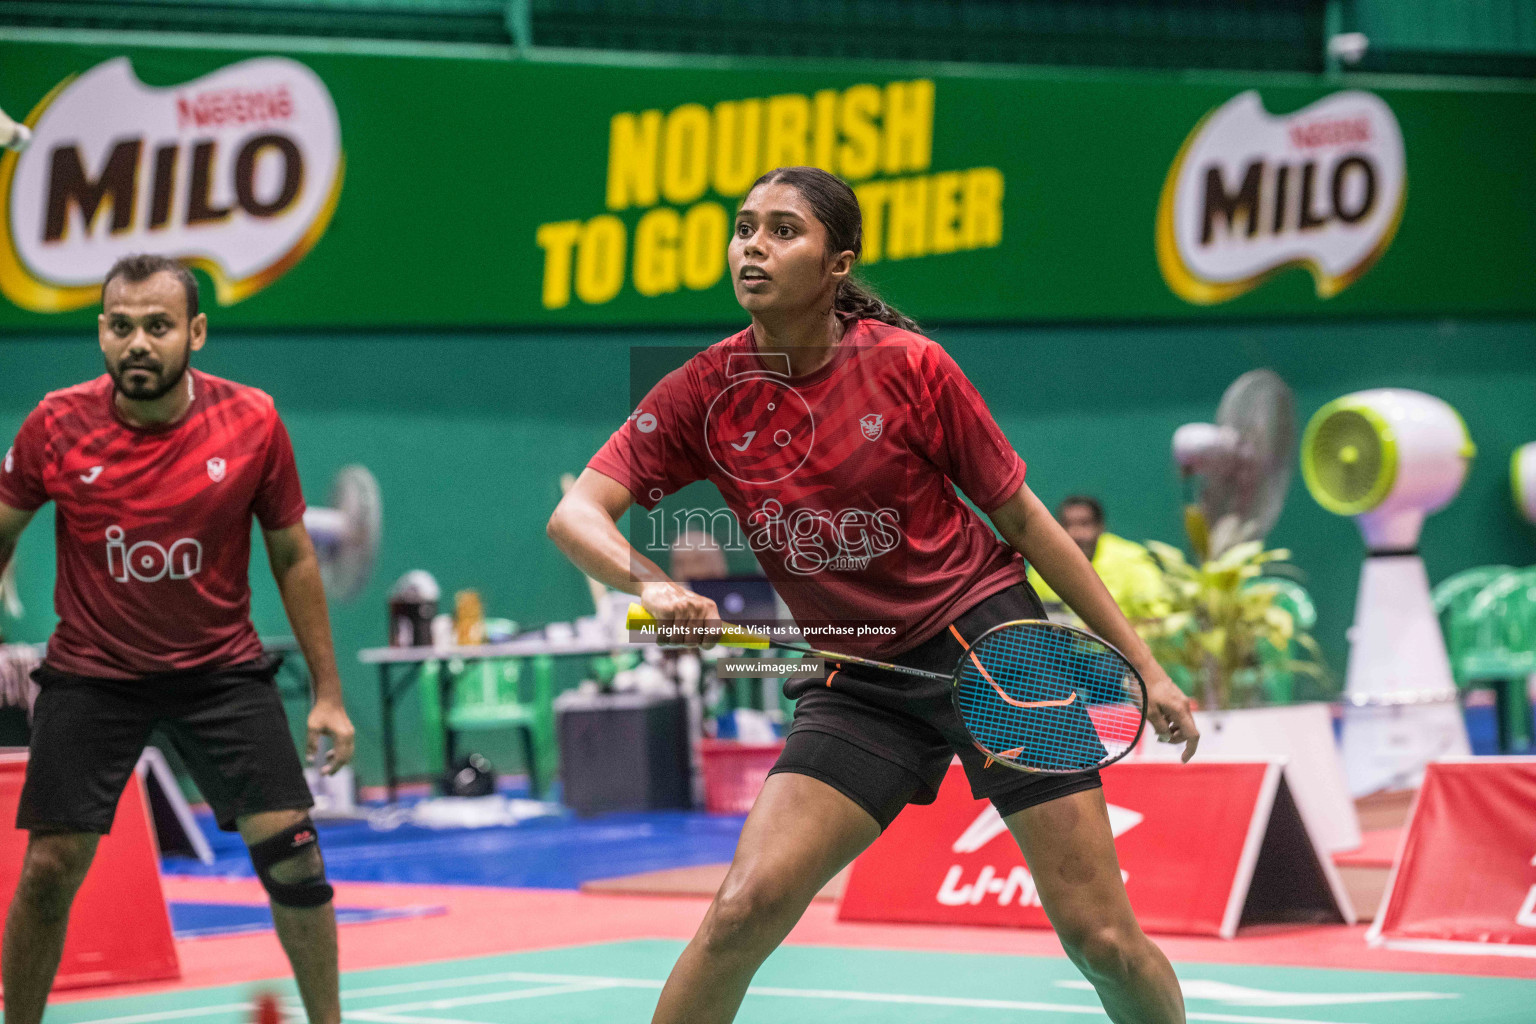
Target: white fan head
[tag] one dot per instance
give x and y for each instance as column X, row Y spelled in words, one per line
column 1389, row 457
column 1243, row 460
column 346, row 534
column 1522, row 478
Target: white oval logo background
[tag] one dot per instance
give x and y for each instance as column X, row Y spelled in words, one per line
column 245, row 229
column 1251, row 193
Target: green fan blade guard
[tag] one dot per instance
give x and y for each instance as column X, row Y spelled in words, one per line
column 1348, row 457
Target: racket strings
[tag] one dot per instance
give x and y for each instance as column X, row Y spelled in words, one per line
column 1049, row 698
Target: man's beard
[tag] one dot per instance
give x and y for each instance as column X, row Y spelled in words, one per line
column 158, row 386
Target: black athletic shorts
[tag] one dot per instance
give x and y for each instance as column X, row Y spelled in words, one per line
column 227, row 724
column 885, row 740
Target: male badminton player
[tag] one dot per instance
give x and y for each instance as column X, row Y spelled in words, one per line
column 837, row 434
column 155, row 471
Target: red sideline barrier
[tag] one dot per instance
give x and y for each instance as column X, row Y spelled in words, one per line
column 1204, row 848
column 119, row 928
column 1465, row 876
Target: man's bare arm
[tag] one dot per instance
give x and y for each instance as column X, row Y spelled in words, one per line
column 12, row 522
column 297, row 571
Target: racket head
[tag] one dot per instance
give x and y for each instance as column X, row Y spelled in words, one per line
column 1048, row 698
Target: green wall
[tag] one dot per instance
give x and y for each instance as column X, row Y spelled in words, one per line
column 468, row 434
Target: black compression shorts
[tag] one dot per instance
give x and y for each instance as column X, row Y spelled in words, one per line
column 885, row 740
column 227, row 724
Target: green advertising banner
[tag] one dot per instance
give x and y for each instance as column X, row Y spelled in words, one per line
column 320, row 189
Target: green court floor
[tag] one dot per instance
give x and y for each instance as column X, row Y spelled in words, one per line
column 618, row 982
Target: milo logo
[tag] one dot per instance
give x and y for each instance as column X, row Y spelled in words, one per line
column 236, row 173
column 1250, row 194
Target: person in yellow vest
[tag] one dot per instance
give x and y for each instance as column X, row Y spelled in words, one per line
column 1127, row 568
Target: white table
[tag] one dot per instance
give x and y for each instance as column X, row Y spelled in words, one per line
column 413, row 658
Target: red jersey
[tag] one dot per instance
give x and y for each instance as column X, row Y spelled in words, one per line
column 153, row 524
column 842, row 481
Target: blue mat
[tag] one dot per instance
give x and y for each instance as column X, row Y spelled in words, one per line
column 1483, row 729
column 543, row 853
column 191, row 920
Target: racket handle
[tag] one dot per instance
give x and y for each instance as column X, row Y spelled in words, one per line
column 732, row 636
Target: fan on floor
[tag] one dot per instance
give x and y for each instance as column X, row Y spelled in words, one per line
column 1389, row 458
column 1241, row 464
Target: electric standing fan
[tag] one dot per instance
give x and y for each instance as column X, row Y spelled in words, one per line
column 1242, row 463
column 346, row 534
column 1388, row 458
column 1522, row 478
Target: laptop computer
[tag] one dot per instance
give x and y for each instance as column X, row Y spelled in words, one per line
column 747, row 600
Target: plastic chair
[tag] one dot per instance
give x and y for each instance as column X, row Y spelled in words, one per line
column 489, row 695
column 1278, row 682
column 1501, row 620
column 1452, row 597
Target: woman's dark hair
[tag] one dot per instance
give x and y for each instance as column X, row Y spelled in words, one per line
column 835, row 205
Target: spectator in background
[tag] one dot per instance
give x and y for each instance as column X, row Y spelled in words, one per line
column 1127, row 568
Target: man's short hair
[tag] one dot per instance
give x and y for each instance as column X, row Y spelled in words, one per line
column 1091, row 504
column 144, row 265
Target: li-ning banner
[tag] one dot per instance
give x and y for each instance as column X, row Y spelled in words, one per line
column 366, row 190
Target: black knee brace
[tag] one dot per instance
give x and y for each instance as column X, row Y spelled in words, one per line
column 291, row 842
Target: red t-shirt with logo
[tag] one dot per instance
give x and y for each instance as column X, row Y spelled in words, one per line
column 842, row 481
column 153, row 524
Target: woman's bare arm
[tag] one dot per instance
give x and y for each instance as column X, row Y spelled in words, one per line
column 585, row 527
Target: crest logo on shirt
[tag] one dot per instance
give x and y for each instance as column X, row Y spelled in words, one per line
column 872, row 425
column 216, row 467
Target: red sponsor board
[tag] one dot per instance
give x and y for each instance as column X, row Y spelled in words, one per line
column 119, row 927
column 1203, row 848
column 1465, row 877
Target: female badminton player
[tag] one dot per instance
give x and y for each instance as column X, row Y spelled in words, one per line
column 838, row 435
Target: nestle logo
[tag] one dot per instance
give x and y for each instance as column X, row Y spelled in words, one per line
column 1330, row 133
column 218, row 107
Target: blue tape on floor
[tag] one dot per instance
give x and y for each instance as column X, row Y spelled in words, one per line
column 194, row 920
column 543, row 853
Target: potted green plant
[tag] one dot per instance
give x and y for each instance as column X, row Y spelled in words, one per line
column 1220, row 629
column 1223, row 630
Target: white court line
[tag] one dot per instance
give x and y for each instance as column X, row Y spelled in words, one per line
column 412, row 986
column 425, row 986
column 1002, row 1004
column 570, row 984
column 191, row 1011
column 574, row 983
column 583, row 985
column 375, row 1017
column 1456, row 947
